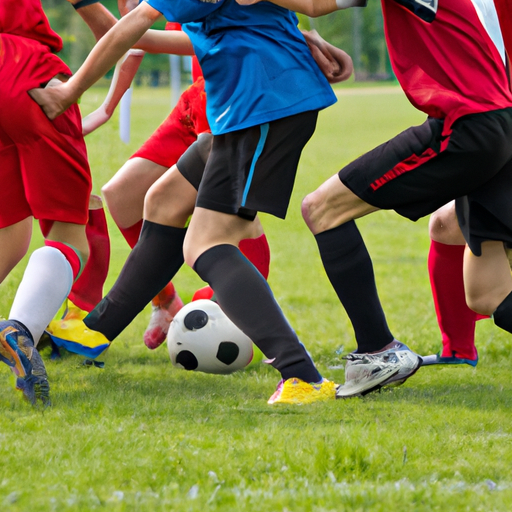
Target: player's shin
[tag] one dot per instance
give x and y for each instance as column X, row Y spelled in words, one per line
column 247, row 300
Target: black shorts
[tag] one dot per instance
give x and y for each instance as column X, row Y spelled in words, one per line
column 253, row 170
column 419, row 170
column 192, row 163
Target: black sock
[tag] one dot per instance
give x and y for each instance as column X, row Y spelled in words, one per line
column 153, row 262
column 349, row 268
column 503, row 315
column 245, row 297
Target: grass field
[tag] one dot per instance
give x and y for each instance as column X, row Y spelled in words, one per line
column 140, row 435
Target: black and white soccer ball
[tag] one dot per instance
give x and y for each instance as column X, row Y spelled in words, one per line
column 202, row 338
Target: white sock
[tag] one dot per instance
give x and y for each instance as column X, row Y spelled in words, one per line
column 45, row 285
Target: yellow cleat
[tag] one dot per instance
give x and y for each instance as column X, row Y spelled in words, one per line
column 297, row 392
column 76, row 337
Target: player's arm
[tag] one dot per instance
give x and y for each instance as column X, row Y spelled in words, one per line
column 158, row 41
column 98, row 18
column 165, row 41
column 312, row 8
column 109, row 49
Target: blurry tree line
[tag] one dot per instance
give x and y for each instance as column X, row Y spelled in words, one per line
column 358, row 31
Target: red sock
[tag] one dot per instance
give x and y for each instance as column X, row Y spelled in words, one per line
column 257, row 251
column 131, row 234
column 456, row 321
column 87, row 290
column 165, row 296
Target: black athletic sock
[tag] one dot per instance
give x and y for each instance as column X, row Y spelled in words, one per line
column 153, row 262
column 245, row 297
column 350, row 270
column 503, row 315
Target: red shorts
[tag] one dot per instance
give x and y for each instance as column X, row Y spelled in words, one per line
column 43, row 164
column 181, row 128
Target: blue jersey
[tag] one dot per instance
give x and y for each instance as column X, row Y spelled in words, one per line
column 256, row 63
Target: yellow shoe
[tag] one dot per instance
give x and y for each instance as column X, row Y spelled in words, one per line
column 74, row 312
column 76, row 337
column 298, row 392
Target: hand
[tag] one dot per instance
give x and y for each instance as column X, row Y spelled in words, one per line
column 53, row 99
column 334, row 63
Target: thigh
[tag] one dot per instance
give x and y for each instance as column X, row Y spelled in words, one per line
column 170, row 200
column 14, row 206
column 125, row 191
column 14, row 241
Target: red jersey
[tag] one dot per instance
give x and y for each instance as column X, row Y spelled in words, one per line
column 444, row 58
column 504, row 8
column 26, row 18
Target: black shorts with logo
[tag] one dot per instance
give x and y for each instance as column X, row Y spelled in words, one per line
column 251, row 170
column 419, row 171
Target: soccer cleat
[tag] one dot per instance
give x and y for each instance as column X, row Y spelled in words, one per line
column 74, row 336
column 297, row 392
column 18, row 352
column 454, row 359
column 73, row 312
column 165, row 306
column 369, row 372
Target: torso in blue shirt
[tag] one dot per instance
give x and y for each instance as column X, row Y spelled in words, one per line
column 256, row 64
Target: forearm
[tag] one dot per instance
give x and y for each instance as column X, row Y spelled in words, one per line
column 110, row 48
column 165, row 41
column 312, row 8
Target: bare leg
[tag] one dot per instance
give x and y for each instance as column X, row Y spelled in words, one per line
column 487, row 278
column 15, row 241
column 125, row 192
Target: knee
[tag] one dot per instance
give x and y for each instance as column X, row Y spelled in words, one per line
column 190, row 255
column 109, row 193
column 443, row 226
column 312, row 211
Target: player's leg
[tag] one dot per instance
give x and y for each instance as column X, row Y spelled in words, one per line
column 87, row 290
column 378, row 179
column 152, row 263
column 221, row 220
column 329, row 212
column 244, row 295
column 124, row 194
column 15, row 241
column 488, row 282
column 445, row 262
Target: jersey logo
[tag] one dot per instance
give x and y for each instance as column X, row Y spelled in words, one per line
column 424, row 9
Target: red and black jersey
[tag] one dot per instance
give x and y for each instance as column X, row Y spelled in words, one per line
column 26, row 18
column 444, row 57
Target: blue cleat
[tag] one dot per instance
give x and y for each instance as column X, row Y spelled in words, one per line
column 18, row 352
column 453, row 359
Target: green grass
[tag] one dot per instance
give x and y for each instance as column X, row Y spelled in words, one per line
column 140, row 435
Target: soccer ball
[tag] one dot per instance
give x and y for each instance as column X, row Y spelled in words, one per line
column 202, row 338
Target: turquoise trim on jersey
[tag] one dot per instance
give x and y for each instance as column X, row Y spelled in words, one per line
column 259, row 149
column 256, row 63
